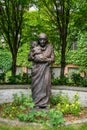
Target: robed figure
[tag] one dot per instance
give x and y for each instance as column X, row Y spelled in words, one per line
column 42, row 55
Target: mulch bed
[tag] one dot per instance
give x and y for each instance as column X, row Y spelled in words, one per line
column 68, row 117
column 82, row 115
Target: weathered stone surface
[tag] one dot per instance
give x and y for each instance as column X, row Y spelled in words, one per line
column 71, row 92
column 6, row 95
column 7, row 91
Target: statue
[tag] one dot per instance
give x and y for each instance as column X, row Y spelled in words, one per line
column 42, row 55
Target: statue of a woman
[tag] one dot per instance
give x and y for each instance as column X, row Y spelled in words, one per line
column 41, row 75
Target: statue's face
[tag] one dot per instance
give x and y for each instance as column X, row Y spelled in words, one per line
column 42, row 42
column 42, row 39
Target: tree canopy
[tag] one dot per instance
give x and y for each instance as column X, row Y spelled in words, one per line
column 11, row 19
column 64, row 22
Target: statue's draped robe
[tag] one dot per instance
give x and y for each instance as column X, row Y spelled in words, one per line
column 41, row 77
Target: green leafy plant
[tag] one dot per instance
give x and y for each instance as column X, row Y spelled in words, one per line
column 33, row 116
column 63, row 80
column 77, row 79
column 55, row 81
column 66, row 106
column 20, row 104
column 75, row 107
column 14, row 79
column 62, row 102
column 10, row 110
column 5, row 60
column 30, row 116
column 84, row 82
column 53, row 117
column 2, row 77
column 55, row 99
column 23, row 100
column 25, row 78
column 22, row 108
column 56, row 117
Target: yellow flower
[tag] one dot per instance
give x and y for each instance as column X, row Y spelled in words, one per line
column 72, row 105
column 58, row 104
column 62, row 110
column 76, row 95
column 13, row 108
column 67, row 105
column 10, row 115
column 76, row 107
column 77, row 102
column 3, row 115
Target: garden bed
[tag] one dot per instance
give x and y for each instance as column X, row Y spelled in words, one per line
column 60, row 111
column 69, row 119
column 72, row 118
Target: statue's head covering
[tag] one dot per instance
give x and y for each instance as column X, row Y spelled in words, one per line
column 42, row 35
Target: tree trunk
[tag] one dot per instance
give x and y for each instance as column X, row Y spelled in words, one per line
column 63, row 36
column 63, row 61
column 13, row 70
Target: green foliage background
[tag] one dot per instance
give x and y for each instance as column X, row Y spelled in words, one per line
column 5, row 60
column 37, row 21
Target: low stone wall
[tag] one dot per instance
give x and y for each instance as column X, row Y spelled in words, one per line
column 14, row 86
column 7, row 91
column 71, row 91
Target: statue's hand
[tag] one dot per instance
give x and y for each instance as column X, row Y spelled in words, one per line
column 36, row 58
column 49, row 60
column 40, row 58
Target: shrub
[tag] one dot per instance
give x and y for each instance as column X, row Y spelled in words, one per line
column 84, row 82
column 63, row 80
column 14, row 79
column 55, row 81
column 19, row 79
column 2, row 77
column 77, row 79
column 24, row 78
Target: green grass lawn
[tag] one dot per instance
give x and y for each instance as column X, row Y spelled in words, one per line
column 70, row 127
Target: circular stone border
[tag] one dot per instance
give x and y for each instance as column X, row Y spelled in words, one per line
column 19, row 123
column 7, row 90
column 24, row 86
